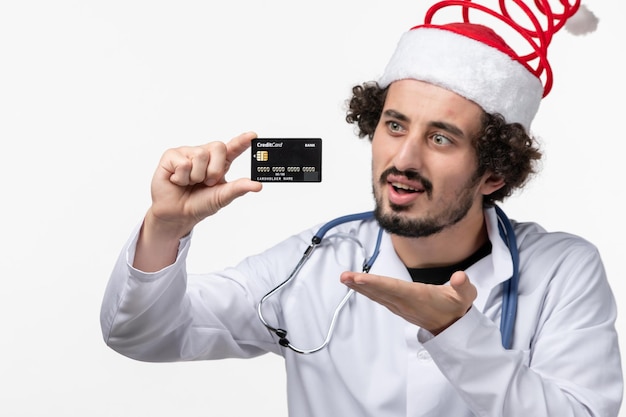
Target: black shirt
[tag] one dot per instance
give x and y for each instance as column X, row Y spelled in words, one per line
column 441, row 274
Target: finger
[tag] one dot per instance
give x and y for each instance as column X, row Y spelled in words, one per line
column 175, row 167
column 222, row 155
column 216, row 166
column 375, row 282
column 350, row 278
column 462, row 285
column 384, row 290
column 237, row 145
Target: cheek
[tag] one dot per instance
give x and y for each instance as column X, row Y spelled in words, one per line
column 448, row 176
column 458, row 181
column 376, row 153
column 382, row 152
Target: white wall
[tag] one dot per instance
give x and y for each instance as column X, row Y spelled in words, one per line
column 91, row 94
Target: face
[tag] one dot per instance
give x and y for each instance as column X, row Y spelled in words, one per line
column 424, row 164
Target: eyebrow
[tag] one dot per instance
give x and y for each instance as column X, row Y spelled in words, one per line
column 448, row 127
column 396, row 115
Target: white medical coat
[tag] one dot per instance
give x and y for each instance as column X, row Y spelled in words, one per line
column 565, row 358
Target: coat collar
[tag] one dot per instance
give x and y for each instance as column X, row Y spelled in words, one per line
column 494, row 269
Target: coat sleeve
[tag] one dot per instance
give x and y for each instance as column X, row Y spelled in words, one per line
column 170, row 315
column 571, row 365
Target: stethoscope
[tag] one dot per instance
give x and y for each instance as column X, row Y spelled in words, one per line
column 509, row 290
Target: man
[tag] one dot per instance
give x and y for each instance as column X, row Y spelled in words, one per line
column 421, row 336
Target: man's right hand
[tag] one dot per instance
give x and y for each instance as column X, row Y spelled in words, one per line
column 189, row 185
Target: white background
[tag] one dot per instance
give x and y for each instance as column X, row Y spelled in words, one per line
column 91, row 94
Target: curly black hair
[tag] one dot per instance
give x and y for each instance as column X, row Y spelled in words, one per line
column 504, row 149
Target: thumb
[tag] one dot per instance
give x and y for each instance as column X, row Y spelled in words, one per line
column 229, row 191
column 462, row 285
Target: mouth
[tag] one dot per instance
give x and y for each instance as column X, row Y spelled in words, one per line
column 403, row 193
column 403, row 188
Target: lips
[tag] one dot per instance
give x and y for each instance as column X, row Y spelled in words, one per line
column 402, row 182
column 402, row 191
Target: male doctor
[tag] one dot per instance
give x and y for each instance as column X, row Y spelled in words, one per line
column 420, row 336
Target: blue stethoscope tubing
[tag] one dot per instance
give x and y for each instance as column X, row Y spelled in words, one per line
column 317, row 238
column 509, row 290
column 510, row 286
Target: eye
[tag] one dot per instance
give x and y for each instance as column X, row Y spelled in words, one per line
column 440, row 139
column 394, row 126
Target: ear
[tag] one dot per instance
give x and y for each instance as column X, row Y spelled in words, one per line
column 491, row 183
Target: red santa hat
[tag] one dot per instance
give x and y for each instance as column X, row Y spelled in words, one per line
column 473, row 61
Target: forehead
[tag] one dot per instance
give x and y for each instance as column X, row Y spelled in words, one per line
column 419, row 101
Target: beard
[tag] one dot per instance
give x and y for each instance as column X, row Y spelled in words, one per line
column 396, row 223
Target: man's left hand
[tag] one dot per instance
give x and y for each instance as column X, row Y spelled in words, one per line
column 432, row 307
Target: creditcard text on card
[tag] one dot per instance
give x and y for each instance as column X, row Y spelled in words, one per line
column 286, row 160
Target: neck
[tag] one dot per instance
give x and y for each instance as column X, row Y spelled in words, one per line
column 451, row 245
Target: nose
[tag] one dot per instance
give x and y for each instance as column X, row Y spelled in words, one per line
column 409, row 154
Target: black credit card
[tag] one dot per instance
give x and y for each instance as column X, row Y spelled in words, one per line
column 286, row 160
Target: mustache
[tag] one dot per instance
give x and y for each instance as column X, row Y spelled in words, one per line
column 410, row 175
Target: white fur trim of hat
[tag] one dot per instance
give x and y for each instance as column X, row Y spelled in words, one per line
column 472, row 69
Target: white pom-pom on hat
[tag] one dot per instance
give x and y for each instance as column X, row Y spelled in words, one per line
column 583, row 22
